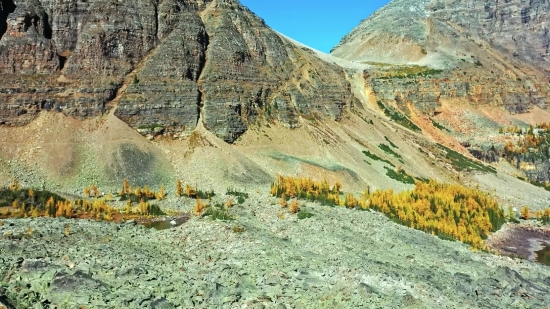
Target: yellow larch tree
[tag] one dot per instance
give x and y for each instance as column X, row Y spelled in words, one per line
column 179, row 187
column 525, row 213
column 294, row 207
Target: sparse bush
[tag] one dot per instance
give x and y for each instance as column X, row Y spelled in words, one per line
column 199, row 206
column 304, row 214
column 234, row 192
column 283, row 202
column 306, row 188
column 218, row 212
column 294, row 207
column 376, row 158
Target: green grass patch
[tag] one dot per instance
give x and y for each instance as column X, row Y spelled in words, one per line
column 535, row 183
column 400, row 176
column 391, row 144
column 150, row 127
column 408, row 71
column 218, row 212
column 399, row 118
column 439, row 126
column 304, row 214
column 425, row 180
column 462, row 163
column 390, row 151
column 376, row 158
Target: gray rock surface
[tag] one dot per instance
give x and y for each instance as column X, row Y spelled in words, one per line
column 515, row 27
column 491, row 53
column 339, row 258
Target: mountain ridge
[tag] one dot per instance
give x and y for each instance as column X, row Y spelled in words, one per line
column 81, row 71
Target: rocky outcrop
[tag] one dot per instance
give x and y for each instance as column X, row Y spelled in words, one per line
column 515, row 27
column 162, row 65
column 489, row 52
column 426, row 92
column 407, row 30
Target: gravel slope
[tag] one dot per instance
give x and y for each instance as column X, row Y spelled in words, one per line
column 339, row 258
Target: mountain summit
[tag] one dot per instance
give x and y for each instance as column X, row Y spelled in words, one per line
column 434, row 31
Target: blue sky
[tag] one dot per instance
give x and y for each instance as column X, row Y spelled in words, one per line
column 320, row 24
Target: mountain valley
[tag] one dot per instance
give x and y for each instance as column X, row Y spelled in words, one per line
column 203, row 93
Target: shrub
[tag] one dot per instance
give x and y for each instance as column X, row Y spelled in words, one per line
column 391, row 144
column 376, row 158
column 400, row 175
column 294, row 207
column 304, row 214
column 179, row 187
column 525, row 213
column 199, row 206
column 218, row 212
column 390, row 151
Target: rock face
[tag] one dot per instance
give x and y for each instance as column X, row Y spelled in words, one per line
column 491, row 53
column 422, row 27
column 426, row 92
column 517, row 28
column 162, row 66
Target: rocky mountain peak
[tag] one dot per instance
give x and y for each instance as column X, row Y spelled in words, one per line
column 428, row 31
column 161, row 66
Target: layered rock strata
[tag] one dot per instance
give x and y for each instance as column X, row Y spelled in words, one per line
column 161, row 65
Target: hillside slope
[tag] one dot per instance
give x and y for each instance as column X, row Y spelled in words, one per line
column 407, row 31
column 460, row 69
column 156, row 93
column 153, row 92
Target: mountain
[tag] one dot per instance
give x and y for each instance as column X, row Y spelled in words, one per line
column 148, row 95
column 436, row 32
column 468, row 66
column 490, row 53
column 160, row 66
column 205, row 91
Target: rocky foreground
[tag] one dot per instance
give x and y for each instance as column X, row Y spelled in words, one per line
column 338, row 258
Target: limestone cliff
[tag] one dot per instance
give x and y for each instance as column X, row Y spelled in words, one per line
column 161, row 66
